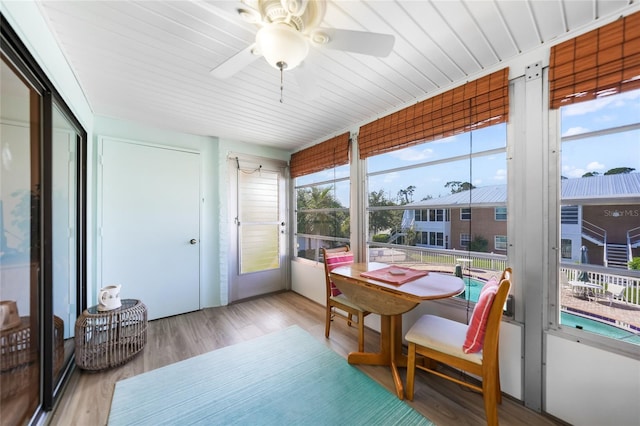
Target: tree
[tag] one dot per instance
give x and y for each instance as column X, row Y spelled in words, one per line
column 619, row 171
column 331, row 223
column 479, row 243
column 383, row 219
column 614, row 171
column 457, row 186
column 406, row 195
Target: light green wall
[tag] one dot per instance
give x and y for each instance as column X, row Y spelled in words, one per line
column 26, row 20
column 210, row 288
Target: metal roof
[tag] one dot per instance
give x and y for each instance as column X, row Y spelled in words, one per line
column 609, row 189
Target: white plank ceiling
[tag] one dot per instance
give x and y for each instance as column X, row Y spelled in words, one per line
column 149, row 61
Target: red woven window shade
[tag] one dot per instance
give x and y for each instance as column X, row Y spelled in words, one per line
column 601, row 62
column 331, row 153
column 479, row 103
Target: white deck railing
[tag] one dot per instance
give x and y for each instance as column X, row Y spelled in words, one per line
column 392, row 253
column 489, row 262
column 631, row 284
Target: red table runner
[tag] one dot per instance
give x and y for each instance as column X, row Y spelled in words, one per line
column 395, row 274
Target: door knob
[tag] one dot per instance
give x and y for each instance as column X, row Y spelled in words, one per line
column 193, row 241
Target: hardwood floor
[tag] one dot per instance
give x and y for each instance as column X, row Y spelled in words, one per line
column 87, row 397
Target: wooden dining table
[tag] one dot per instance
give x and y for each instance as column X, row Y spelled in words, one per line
column 390, row 301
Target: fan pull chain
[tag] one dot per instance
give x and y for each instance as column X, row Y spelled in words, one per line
column 282, row 66
column 281, row 84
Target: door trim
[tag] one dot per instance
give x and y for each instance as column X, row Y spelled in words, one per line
column 267, row 164
column 99, row 208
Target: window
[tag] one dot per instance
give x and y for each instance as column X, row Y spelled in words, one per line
column 412, row 193
column 432, row 215
column 569, row 215
column 565, row 248
column 438, row 215
column 322, row 211
column 500, row 242
column 600, row 211
column 422, row 157
column 422, row 238
column 500, row 213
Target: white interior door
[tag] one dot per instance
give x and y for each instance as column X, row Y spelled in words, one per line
column 257, row 260
column 150, row 225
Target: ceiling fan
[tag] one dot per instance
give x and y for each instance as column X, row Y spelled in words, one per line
column 286, row 29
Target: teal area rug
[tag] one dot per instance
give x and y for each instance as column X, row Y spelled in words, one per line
column 283, row 378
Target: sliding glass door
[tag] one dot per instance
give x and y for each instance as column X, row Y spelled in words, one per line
column 42, row 235
column 20, row 262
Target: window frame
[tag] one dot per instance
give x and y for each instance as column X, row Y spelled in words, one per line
column 500, row 242
column 51, row 386
column 319, row 238
column 564, row 246
column 553, row 323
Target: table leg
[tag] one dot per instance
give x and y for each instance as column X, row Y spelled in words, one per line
column 396, row 353
column 379, row 358
column 390, row 350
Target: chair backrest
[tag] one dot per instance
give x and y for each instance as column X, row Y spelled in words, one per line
column 616, row 289
column 492, row 331
column 333, row 258
column 506, row 274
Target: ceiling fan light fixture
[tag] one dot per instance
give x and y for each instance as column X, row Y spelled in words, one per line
column 319, row 38
column 282, row 46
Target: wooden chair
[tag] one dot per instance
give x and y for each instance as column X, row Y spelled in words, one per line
column 335, row 299
column 462, row 347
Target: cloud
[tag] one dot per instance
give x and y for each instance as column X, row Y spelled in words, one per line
column 575, row 131
column 413, row 154
column 594, row 166
column 501, row 174
column 331, row 174
column 448, row 139
column 618, row 100
column 576, row 172
column 572, row 172
column 390, row 177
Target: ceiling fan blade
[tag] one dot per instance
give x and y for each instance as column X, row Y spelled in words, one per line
column 367, row 43
column 235, row 63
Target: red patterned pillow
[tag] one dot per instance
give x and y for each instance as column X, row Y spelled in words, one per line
column 334, row 260
column 478, row 324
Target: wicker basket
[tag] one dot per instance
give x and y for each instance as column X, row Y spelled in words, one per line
column 18, row 366
column 106, row 339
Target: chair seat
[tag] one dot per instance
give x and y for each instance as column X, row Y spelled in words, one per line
column 443, row 341
column 340, row 256
column 341, row 298
column 443, row 335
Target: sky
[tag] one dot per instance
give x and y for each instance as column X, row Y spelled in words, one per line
column 593, row 154
column 601, row 153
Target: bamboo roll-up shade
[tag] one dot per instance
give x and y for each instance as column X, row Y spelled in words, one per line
column 601, row 62
column 476, row 104
column 331, row 153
